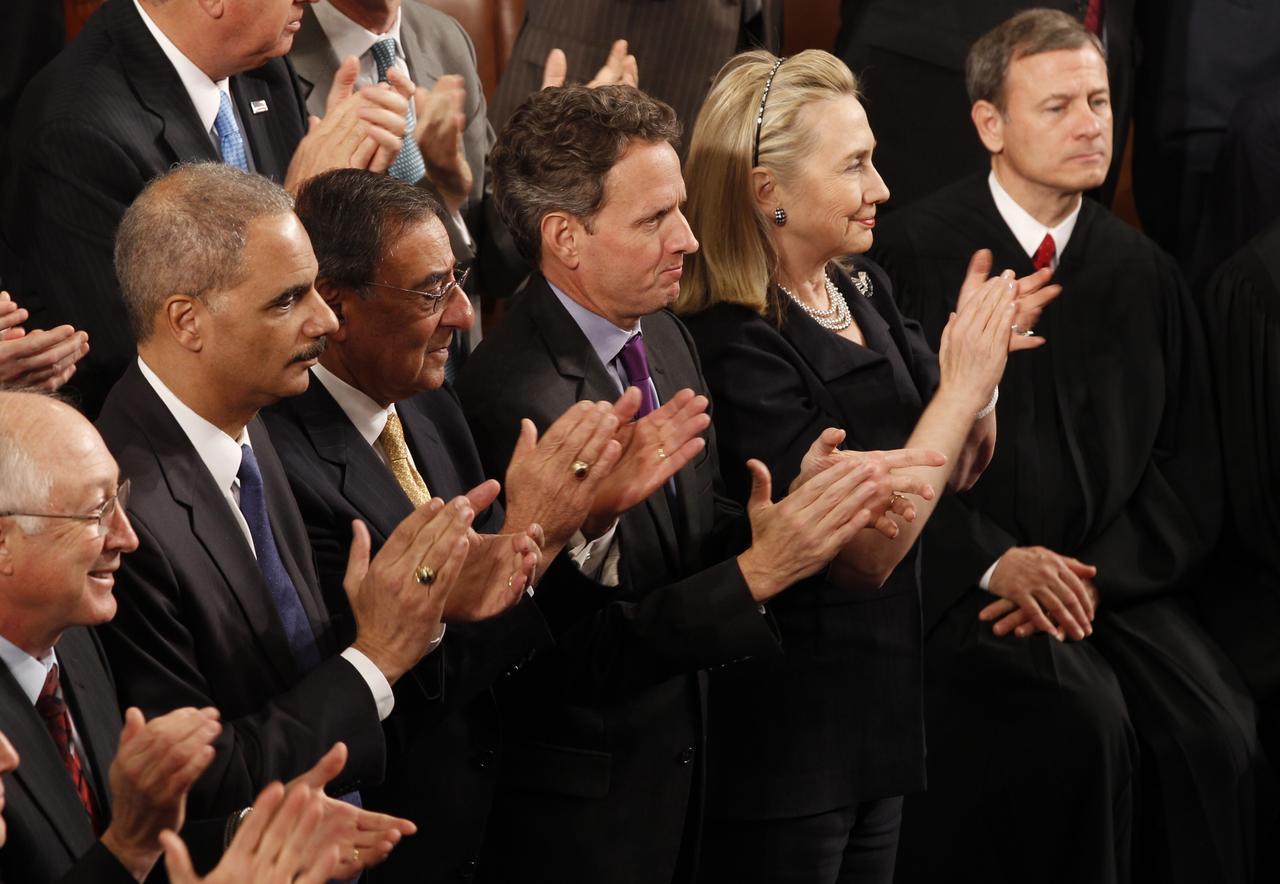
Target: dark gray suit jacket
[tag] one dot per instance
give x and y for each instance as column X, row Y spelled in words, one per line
column 196, row 625
column 601, row 734
column 107, row 116
column 50, row 838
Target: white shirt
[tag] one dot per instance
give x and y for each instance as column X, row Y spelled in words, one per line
column 30, row 674
column 368, row 417
column 204, row 92
column 1027, row 230
column 1029, row 233
column 221, row 456
column 350, row 38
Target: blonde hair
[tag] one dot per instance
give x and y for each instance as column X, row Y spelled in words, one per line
column 737, row 262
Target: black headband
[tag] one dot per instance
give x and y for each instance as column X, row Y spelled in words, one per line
column 768, row 84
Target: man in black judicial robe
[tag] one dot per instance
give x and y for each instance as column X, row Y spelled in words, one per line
column 1108, row 459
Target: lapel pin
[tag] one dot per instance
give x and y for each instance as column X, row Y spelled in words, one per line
column 258, row 107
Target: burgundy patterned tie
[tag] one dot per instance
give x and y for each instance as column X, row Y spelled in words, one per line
column 1044, row 254
column 1093, row 17
column 54, row 712
column 635, row 361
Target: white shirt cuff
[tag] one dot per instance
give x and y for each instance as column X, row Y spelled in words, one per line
column 597, row 559
column 985, row 583
column 373, row 677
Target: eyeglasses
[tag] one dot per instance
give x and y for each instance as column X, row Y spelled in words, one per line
column 435, row 296
column 101, row 515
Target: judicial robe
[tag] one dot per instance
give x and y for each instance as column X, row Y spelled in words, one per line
column 1241, row 311
column 1108, row 453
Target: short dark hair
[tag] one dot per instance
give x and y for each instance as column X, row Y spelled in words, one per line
column 352, row 215
column 1030, row 32
column 186, row 232
column 557, row 148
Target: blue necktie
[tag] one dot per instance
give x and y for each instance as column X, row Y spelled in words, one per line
column 230, row 141
column 408, row 165
column 297, row 628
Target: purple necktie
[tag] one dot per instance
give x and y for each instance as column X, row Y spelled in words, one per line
column 635, row 362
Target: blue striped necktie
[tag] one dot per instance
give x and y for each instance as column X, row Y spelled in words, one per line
column 230, row 141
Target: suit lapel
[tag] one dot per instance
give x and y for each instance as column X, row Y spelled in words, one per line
column 576, row 361
column 92, row 700
column 158, row 87
column 212, row 523
column 366, row 482
column 42, row 774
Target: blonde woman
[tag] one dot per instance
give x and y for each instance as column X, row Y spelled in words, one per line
column 810, row 755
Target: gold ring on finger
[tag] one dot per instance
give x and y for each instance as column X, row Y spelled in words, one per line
column 662, row 454
column 580, row 469
column 355, row 855
column 425, row 575
column 1023, row 332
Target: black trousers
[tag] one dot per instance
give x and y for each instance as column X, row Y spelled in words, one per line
column 857, row 844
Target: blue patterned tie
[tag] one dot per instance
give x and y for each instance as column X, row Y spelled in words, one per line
column 230, row 141
column 297, row 628
column 408, row 165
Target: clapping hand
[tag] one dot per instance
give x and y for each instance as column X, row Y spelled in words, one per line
column 619, row 68
column 1031, row 295
column 41, row 359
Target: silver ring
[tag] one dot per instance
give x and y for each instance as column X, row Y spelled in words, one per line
column 1023, row 332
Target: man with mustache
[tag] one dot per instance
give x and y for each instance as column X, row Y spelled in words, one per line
column 221, row 600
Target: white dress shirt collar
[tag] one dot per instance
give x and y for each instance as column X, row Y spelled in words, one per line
column 1027, row 230
column 29, row 672
column 349, row 38
column 220, row 453
column 203, row 91
column 367, row 416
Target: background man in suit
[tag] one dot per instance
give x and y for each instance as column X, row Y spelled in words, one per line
column 90, row 802
column 145, row 85
column 1105, row 488
column 222, row 600
column 678, row 45
column 598, row 778
column 382, row 250
column 909, row 57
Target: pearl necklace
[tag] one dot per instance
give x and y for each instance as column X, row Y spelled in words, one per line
column 836, row 317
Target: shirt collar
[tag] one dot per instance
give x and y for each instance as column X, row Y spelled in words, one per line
column 348, row 38
column 203, row 91
column 29, row 672
column 1027, row 230
column 605, row 337
column 220, row 453
column 368, row 417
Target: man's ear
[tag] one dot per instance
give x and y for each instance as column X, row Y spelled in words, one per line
column 338, row 297
column 561, row 238
column 212, row 8
column 183, row 317
column 989, row 121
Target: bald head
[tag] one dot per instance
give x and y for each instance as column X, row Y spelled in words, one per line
column 186, row 234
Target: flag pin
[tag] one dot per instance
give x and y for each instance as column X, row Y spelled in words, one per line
column 258, row 107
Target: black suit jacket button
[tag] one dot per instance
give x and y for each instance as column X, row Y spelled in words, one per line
column 467, row 870
column 686, row 755
column 484, row 758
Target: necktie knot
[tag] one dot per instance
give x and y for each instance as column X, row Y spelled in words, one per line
column 249, row 475
column 49, row 704
column 230, row 141
column 1044, row 253
column 635, row 362
column 384, row 56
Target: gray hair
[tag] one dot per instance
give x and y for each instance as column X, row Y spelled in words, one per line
column 25, row 484
column 1031, row 32
column 186, row 232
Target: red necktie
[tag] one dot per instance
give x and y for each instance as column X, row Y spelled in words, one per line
column 1093, row 17
column 1044, row 254
column 54, row 712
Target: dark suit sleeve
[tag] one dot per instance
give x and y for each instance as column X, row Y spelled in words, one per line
column 97, row 866
column 158, row 662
